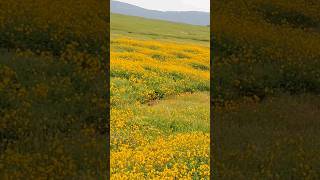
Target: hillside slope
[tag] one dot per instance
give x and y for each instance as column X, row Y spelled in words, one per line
column 188, row 17
column 137, row 27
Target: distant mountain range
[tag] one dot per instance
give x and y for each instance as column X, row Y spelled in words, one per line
column 188, row 17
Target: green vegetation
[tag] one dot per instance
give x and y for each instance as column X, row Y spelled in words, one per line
column 141, row 28
column 184, row 113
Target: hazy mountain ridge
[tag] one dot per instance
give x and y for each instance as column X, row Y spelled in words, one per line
column 188, row 17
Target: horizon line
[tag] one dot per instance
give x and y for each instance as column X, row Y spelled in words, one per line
column 162, row 10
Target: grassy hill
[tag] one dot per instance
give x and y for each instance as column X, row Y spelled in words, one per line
column 137, row 27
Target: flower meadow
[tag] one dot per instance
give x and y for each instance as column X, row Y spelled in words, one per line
column 143, row 74
column 53, row 89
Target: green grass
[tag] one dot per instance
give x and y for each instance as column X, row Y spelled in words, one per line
column 137, row 27
column 185, row 113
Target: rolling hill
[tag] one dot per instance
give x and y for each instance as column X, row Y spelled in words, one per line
column 142, row 28
column 188, row 17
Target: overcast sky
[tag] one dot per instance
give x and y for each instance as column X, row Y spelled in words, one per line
column 172, row 5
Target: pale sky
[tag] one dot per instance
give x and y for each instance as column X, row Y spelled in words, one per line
column 172, row 5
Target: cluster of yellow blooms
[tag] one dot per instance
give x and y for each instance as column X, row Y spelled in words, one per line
column 144, row 71
column 180, row 156
column 156, row 69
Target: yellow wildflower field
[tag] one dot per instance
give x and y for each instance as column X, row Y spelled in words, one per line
column 158, row 131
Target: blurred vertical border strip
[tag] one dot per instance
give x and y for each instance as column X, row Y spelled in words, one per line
column 107, row 58
column 212, row 140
